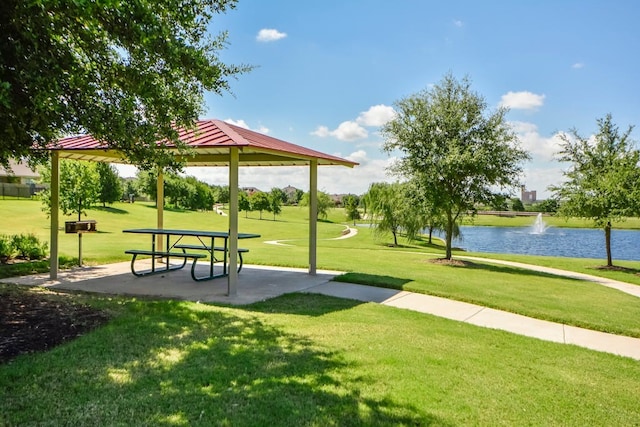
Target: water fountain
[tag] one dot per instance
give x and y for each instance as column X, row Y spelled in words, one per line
column 539, row 226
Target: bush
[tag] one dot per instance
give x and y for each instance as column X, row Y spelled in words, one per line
column 29, row 247
column 6, row 248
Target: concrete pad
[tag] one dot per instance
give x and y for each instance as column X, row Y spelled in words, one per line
column 255, row 283
column 518, row 324
column 355, row 292
column 454, row 310
column 602, row 341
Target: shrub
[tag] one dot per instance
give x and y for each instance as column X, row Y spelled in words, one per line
column 6, row 248
column 29, row 247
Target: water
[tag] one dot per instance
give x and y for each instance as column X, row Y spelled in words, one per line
column 551, row 241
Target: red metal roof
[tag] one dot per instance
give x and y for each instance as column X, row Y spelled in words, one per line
column 211, row 137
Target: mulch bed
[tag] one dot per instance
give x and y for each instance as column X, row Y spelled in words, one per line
column 35, row 320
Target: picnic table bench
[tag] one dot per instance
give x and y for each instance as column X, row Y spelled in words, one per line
column 178, row 249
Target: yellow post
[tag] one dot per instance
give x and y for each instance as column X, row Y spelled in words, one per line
column 234, row 160
column 55, row 203
column 313, row 215
column 160, row 206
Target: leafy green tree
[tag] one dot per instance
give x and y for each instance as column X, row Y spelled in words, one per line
column 386, row 203
column 260, row 202
column 550, row 205
column 517, row 205
column 126, row 72
column 295, row 197
column 275, row 201
column 147, row 183
column 109, row 186
column 603, row 178
column 222, row 194
column 243, row 203
column 324, row 203
column 449, row 143
column 78, row 187
column 130, row 188
column 351, row 203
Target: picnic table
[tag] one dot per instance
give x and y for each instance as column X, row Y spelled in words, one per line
column 178, row 242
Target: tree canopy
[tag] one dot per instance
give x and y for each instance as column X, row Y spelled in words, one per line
column 460, row 154
column 127, row 73
column 603, row 179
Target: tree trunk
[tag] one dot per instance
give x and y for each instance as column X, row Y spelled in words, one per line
column 430, row 234
column 607, row 242
column 449, row 236
column 395, row 238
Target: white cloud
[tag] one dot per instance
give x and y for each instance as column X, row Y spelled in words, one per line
column 540, row 147
column 322, row 132
column 578, row 65
column 522, row 100
column 458, row 23
column 241, row 123
column 540, row 178
column 270, row 35
column 346, row 131
column 350, row 131
column 377, row 115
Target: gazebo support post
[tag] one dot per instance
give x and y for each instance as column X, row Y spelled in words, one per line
column 313, row 215
column 160, row 205
column 232, row 279
column 55, row 203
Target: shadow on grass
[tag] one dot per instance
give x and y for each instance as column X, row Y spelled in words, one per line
column 168, row 362
column 495, row 268
column 373, row 280
column 111, row 209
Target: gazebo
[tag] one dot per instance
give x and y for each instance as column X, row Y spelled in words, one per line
column 214, row 143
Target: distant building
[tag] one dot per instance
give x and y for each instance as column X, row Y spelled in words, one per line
column 527, row 197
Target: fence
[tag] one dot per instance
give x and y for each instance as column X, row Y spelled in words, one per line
column 24, row 191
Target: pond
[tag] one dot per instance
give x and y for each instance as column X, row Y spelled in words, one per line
column 552, row 241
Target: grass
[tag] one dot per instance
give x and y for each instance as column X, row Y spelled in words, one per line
column 315, row 360
column 310, row 360
column 371, row 261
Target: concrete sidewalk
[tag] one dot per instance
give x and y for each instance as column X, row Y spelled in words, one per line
column 486, row 317
column 257, row 283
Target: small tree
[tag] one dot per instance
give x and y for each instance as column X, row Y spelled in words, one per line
column 78, row 187
column 351, row 203
column 243, row 203
column 109, row 186
column 386, row 203
column 260, row 202
column 275, row 201
column 517, row 205
column 603, row 179
column 324, row 203
column 461, row 155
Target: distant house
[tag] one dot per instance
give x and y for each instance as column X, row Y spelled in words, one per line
column 19, row 181
column 250, row 190
column 19, row 173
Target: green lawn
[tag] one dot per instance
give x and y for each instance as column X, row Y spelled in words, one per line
column 313, row 360
column 310, row 360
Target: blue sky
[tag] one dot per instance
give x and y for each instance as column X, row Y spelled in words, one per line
column 328, row 73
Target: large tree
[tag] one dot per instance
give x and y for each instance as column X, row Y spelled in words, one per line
column 454, row 147
column 127, row 72
column 603, row 177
